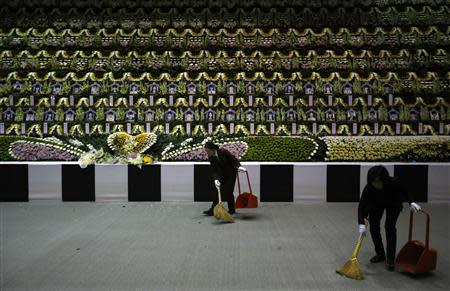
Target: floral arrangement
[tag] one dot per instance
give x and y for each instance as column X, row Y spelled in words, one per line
column 380, row 148
column 195, row 152
column 289, row 149
column 125, row 144
column 89, row 150
column 38, row 149
column 129, row 150
column 90, row 157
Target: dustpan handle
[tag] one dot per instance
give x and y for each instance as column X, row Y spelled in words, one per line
column 248, row 181
column 427, row 233
column 239, row 183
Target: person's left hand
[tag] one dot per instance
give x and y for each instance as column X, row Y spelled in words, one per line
column 362, row 229
column 414, row 206
column 242, row 169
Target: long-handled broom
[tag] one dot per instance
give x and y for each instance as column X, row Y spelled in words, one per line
column 351, row 268
column 219, row 212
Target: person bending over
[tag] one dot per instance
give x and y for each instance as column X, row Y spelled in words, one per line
column 224, row 168
column 383, row 194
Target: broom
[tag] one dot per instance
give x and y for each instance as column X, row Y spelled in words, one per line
column 351, row 268
column 219, row 212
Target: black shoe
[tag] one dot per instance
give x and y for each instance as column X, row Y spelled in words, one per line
column 208, row 212
column 232, row 211
column 378, row 259
column 390, row 265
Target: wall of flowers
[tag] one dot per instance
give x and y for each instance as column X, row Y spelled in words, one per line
column 81, row 70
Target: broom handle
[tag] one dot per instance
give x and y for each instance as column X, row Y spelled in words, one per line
column 358, row 246
column 360, row 240
column 218, row 191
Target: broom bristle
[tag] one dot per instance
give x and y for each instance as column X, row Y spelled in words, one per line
column 351, row 269
column 221, row 214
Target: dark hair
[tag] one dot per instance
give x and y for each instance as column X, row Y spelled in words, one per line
column 378, row 172
column 211, row 145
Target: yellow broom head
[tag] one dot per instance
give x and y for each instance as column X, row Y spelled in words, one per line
column 221, row 214
column 351, row 269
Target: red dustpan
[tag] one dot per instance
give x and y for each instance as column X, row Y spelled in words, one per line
column 246, row 199
column 416, row 257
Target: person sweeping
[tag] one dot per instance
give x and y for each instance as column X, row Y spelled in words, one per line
column 224, row 168
column 383, row 193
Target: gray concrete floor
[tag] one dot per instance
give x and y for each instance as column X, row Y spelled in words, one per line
column 49, row 245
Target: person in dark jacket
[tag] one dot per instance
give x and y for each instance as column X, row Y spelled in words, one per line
column 224, row 168
column 383, row 194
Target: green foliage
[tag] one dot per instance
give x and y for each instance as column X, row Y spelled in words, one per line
column 5, row 141
column 340, row 115
column 5, row 88
column 241, row 87
column 59, row 115
column 163, row 87
column 357, row 89
column 269, row 148
column 19, row 115
column 221, row 88
column 279, row 90
column 79, row 114
column 120, row 114
column 39, row 115
column 140, row 115
column 383, row 114
column 201, row 88
column 124, row 89
column 318, row 86
column 100, row 114
column 259, row 89
column 424, row 113
column 181, row 89
column 298, row 87
column 337, row 87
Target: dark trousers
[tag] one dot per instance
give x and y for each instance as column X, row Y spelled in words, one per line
column 226, row 189
column 375, row 215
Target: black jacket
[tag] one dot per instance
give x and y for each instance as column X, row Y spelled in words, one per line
column 391, row 196
column 224, row 167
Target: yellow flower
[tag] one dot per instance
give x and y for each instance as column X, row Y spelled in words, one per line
column 148, row 159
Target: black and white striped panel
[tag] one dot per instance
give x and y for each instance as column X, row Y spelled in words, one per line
column 78, row 184
column 177, row 182
column 14, row 186
column 438, row 183
column 111, row 183
column 45, row 181
column 310, row 182
column 271, row 182
column 203, row 183
column 277, row 183
column 415, row 180
column 144, row 184
column 343, row 183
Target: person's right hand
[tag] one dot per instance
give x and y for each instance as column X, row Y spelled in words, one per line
column 362, row 229
column 217, row 183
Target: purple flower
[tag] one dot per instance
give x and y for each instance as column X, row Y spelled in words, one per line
column 237, row 149
column 26, row 151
